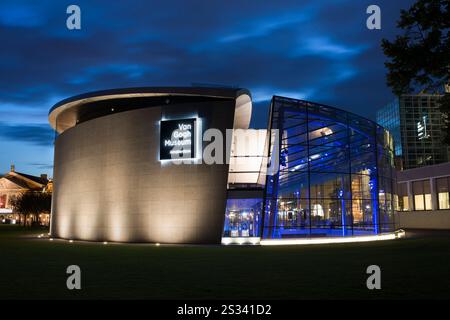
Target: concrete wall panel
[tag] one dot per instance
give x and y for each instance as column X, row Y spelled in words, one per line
column 439, row 219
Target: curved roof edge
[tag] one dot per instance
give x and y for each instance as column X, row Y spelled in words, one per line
column 334, row 108
column 69, row 103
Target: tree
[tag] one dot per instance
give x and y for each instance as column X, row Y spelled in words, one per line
column 31, row 204
column 419, row 60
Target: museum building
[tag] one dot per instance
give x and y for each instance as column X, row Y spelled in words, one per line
column 130, row 166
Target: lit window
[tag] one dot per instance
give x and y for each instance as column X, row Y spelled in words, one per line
column 428, row 205
column 418, row 202
column 402, row 191
column 444, row 200
column 422, row 195
column 405, row 203
column 442, row 188
column 3, row 201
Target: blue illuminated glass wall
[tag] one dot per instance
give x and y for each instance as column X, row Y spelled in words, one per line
column 334, row 177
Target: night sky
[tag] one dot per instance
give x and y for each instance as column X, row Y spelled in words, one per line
column 315, row 50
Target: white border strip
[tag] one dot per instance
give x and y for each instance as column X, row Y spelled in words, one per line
column 283, row 242
column 240, row 240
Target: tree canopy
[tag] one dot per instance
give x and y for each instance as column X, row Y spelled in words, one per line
column 419, row 59
column 32, row 204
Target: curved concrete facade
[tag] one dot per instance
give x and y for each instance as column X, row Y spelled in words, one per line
column 109, row 184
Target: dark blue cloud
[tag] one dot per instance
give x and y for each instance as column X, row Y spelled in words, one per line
column 38, row 134
column 42, row 166
column 317, row 50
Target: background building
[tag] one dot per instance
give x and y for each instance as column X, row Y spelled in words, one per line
column 424, row 198
column 13, row 185
column 416, row 124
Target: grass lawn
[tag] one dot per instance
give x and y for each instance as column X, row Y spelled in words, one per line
column 31, row 268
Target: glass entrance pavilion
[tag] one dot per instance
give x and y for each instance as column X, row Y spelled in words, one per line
column 332, row 176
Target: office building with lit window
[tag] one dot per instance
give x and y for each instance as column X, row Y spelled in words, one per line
column 316, row 172
column 424, row 197
column 416, row 124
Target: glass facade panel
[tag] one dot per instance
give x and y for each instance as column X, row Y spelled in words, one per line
column 335, row 174
column 242, row 218
column 416, row 123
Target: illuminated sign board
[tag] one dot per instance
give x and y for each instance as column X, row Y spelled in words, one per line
column 177, row 139
column 422, row 129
